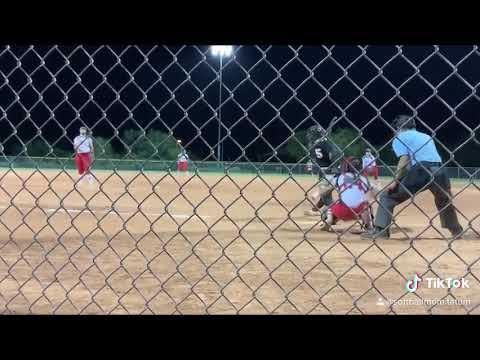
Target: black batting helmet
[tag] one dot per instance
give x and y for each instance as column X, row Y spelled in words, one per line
column 315, row 133
column 404, row 122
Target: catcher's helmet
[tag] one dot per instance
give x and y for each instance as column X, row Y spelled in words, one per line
column 315, row 133
column 404, row 122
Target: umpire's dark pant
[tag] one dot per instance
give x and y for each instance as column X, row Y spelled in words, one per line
column 418, row 178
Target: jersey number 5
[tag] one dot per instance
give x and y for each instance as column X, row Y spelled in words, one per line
column 319, row 153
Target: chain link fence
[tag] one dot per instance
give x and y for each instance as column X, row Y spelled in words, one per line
column 22, row 162
column 230, row 235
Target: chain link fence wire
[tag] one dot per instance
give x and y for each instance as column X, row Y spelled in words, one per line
column 230, row 235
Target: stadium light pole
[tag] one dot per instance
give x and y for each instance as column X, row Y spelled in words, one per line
column 221, row 51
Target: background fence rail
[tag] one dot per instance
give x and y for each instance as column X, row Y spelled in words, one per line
column 68, row 163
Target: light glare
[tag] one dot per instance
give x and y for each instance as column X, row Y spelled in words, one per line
column 222, row 50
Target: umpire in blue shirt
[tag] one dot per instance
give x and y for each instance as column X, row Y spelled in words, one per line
column 419, row 168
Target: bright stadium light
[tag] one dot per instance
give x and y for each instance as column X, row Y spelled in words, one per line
column 221, row 51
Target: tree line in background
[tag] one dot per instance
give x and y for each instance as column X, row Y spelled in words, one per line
column 464, row 153
column 348, row 140
column 157, row 145
column 134, row 144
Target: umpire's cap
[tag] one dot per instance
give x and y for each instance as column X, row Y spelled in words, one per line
column 404, row 122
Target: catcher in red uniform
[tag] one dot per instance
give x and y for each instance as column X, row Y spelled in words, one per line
column 354, row 194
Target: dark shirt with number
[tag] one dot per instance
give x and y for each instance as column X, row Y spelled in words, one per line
column 326, row 157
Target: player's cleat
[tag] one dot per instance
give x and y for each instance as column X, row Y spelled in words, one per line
column 357, row 231
column 364, row 228
column 456, row 233
column 376, row 233
column 327, row 228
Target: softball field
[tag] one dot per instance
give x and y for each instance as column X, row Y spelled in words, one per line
column 159, row 243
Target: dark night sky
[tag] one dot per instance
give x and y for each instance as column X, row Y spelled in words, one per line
column 245, row 109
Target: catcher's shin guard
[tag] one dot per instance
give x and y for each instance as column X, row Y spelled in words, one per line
column 324, row 200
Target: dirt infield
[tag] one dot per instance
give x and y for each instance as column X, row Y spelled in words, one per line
column 161, row 243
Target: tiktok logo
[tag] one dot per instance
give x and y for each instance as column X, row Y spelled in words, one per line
column 412, row 285
column 435, row 283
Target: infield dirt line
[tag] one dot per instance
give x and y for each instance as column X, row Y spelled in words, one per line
column 76, row 211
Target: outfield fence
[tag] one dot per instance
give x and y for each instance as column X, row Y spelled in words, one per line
column 252, row 168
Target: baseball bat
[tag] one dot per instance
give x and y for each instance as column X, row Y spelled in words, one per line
column 331, row 125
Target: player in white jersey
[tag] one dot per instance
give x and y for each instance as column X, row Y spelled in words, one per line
column 182, row 159
column 83, row 146
column 370, row 168
column 354, row 193
column 370, row 164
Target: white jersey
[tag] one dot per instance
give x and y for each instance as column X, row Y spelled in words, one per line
column 83, row 144
column 368, row 161
column 352, row 189
column 182, row 157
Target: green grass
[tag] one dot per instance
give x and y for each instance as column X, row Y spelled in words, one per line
column 157, row 167
column 211, row 173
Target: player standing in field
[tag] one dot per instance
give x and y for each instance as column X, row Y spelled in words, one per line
column 419, row 169
column 83, row 146
column 354, row 193
column 182, row 159
column 370, row 167
column 325, row 156
column 370, row 164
